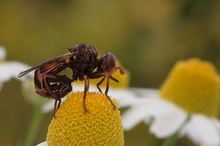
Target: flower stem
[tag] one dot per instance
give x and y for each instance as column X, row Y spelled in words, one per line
column 35, row 123
column 171, row 141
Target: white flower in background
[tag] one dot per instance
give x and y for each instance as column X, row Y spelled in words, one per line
column 186, row 105
column 9, row 69
column 42, row 144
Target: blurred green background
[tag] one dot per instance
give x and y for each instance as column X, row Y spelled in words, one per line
column 148, row 37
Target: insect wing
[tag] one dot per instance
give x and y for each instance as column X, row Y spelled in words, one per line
column 44, row 63
column 21, row 74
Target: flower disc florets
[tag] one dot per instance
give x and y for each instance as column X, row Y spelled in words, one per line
column 72, row 126
column 193, row 85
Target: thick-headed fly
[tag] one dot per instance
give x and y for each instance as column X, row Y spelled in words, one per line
column 82, row 60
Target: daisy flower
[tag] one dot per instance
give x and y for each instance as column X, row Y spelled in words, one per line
column 101, row 126
column 9, row 69
column 72, row 126
column 186, row 105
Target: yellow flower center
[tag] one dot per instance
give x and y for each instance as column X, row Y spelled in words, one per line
column 102, row 126
column 193, row 85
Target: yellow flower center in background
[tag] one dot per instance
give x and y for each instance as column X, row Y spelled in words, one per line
column 123, row 80
column 193, row 85
column 102, row 126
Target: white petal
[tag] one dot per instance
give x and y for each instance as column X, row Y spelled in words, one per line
column 134, row 116
column 42, row 144
column 5, row 72
column 202, row 131
column 216, row 122
column 49, row 106
column 161, row 107
column 17, row 67
column 168, row 124
column 2, row 53
column 124, row 97
column 142, row 110
column 11, row 69
column 146, row 92
column 187, row 130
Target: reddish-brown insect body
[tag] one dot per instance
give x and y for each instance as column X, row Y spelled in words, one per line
column 82, row 60
column 47, row 81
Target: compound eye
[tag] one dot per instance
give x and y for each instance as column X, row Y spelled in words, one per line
column 109, row 61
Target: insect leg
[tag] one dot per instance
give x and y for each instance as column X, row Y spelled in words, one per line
column 113, row 79
column 47, row 86
column 47, row 78
column 96, row 75
column 107, row 86
column 86, row 89
column 55, row 108
column 99, row 83
column 106, row 93
column 104, row 75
